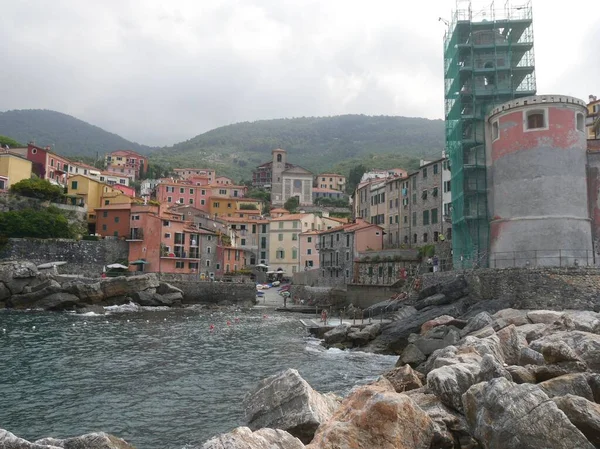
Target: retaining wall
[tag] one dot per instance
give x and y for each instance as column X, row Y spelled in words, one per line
column 208, row 292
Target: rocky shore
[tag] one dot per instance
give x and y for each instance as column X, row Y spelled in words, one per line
column 22, row 286
column 470, row 374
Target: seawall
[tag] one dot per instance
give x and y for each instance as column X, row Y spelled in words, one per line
column 207, row 292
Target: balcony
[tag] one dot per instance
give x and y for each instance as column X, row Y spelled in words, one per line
column 136, row 235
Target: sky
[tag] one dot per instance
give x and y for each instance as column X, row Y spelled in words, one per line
column 160, row 72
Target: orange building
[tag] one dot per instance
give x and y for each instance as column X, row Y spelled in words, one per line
column 113, row 220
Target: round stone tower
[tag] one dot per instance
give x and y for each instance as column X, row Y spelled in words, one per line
column 537, row 197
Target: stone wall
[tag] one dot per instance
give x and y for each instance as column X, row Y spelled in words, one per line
column 83, row 257
column 364, row 296
column 380, row 273
column 537, row 288
column 208, row 292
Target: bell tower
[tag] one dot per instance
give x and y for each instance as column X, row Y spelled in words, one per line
column 279, row 163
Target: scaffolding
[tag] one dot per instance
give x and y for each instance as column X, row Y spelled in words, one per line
column 488, row 60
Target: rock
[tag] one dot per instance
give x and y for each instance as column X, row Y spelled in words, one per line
column 450, row 382
column 532, row 331
column 504, row 415
column 11, row 441
column 50, row 442
column 521, row 375
column 449, row 426
column 510, row 344
column 411, row 356
column 384, row 307
column 544, row 316
column 244, row 438
column 512, row 316
column 530, row 357
column 164, row 289
column 58, row 301
column 31, row 299
column 439, row 321
column 585, row 346
column 403, row 379
column 99, row 440
column 438, row 299
column 358, row 337
column 491, row 369
column 584, row 320
column 594, row 381
column 583, row 414
column 4, row 292
column 453, row 290
column 88, row 293
column 483, row 346
column 286, row 401
column 451, row 355
column 375, row 416
column 547, row 372
column 17, row 275
column 337, row 335
column 575, row 384
column 437, row 338
column 373, row 330
column 479, row 321
column 171, row 298
column 128, row 285
column 484, row 332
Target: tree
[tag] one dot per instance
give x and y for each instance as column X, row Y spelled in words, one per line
column 354, row 177
column 44, row 223
column 291, row 205
column 11, row 143
column 38, row 188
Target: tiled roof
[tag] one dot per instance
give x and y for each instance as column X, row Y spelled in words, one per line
column 119, row 206
column 290, row 217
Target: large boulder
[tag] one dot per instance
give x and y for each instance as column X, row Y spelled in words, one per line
column 544, row 316
column 11, row 441
column 504, row 415
column 438, row 299
column 128, row 285
column 583, row 414
column 244, row 438
column 453, row 290
column 437, row 338
column 383, row 307
column 98, row 440
column 164, row 289
column 439, row 321
column 375, row 416
column 17, row 275
column 286, row 401
column 338, row 334
column 31, row 298
column 511, row 344
column 403, row 379
column 512, row 316
column 450, row 382
column 89, row 293
column 58, row 301
column 479, row 321
column 411, row 355
column 573, row 384
column 585, row 346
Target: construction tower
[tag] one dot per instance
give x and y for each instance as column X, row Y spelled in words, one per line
column 488, row 60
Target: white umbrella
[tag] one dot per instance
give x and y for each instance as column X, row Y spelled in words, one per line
column 117, row 265
column 262, row 265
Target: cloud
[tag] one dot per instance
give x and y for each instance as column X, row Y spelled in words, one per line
column 160, row 72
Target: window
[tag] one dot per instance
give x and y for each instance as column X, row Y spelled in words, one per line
column 121, row 181
column 580, row 122
column 104, row 227
column 435, row 169
column 309, row 239
column 434, row 216
column 194, row 265
column 243, row 242
column 294, row 236
column 191, row 191
column 414, row 198
column 424, row 194
column 415, row 238
column 104, row 213
column 203, row 192
column 446, row 186
column 191, row 200
column 135, row 217
column 166, row 223
column 406, row 239
column 202, row 202
column 263, row 243
column 169, row 199
column 74, row 185
column 179, row 264
column 436, row 236
column 116, row 219
column 308, row 251
column 495, row 131
column 425, row 238
column 216, row 205
column 167, row 235
column 294, row 253
column 280, row 254
column 106, row 202
column 180, row 201
column 263, row 229
column 347, row 255
column 425, row 173
column 228, row 205
column 414, row 218
column 370, row 271
column 280, row 237
column 536, row 119
column 208, row 250
column 347, row 239
column 425, row 217
column 405, row 219
column 279, row 158
column 380, row 271
column 391, row 219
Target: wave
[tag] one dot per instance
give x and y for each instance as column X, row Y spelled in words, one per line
column 90, row 314
column 130, row 307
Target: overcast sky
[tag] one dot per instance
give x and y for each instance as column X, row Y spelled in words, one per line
column 160, row 72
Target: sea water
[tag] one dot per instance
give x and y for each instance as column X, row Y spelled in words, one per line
column 160, row 379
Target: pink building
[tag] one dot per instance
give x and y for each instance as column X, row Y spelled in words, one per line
column 127, row 163
column 223, row 180
column 187, row 173
column 48, row 165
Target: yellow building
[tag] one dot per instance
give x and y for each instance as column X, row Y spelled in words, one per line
column 13, row 168
column 331, row 181
column 593, row 118
column 234, row 207
column 92, row 193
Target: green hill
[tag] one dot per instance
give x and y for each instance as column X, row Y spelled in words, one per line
column 65, row 134
column 316, row 143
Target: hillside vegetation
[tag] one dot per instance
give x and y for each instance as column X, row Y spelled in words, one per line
column 316, row 143
column 65, row 134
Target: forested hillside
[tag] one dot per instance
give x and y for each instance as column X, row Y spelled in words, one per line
column 65, row 134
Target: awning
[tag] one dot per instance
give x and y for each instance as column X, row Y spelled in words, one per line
column 139, row 262
column 118, row 265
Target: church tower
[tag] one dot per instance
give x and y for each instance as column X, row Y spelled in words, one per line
column 279, row 162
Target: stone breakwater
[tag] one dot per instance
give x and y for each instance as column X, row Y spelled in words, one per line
column 22, row 286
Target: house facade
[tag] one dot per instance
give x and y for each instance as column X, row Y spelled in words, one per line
column 13, row 168
column 331, row 181
column 126, row 162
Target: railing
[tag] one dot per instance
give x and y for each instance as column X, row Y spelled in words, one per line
column 542, row 258
column 136, row 234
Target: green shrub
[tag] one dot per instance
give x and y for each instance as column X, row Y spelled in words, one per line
column 90, row 237
column 38, row 188
column 43, row 224
column 248, row 206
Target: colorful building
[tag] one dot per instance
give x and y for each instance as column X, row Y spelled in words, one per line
column 592, row 121
column 113, row 220
column 319, row 192
column 127, row 163
column 92, row 193
column 48, row 165
column 13, row 168
column 223, row 180
column 186, row 173
column 309, row 256
column 331, row 181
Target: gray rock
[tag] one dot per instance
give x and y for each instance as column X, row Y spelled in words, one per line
column 585, row 320
column 453, row 290
column 594, row 381
column 58, row 301
column 450, row 382
column 544, row 316
column 491, row 369
column 337, row 335
column 504, row 415
column 547, row 372
column 31, row 299
column 99, row 440
column 11, row 441
column 164, row 289
column 487, row 331
column 286, row 401
column 359, row 337
column 437, row 338
column 511, row 344
column 17, row 275
column 4, row 292
column 127, row 286
column 436, row 300
column 533, row 331
column 575, row 384
column 584, row 345
column 88, row 293
column 479, row 321
column 512, row 316
column 583, row 414
column 403, row 379
column 483, row 346
column 530, row 357
column 521, row 375
column 451, row 355
column 244, row 438
column 384, row 307
column 411, row 356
